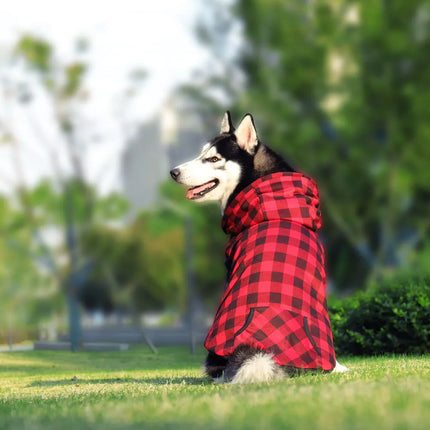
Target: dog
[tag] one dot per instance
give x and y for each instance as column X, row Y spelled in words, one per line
column 273, row 318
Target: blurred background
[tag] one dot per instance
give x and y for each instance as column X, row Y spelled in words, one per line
column 98, row 100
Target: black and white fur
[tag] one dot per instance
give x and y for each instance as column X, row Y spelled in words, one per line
column 226, row 165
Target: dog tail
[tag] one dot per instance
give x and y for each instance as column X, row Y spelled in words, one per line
column 248, row 365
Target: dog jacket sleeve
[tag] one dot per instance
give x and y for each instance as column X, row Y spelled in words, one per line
column 275, row 296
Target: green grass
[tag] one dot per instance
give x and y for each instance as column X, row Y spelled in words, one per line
column 136, row 390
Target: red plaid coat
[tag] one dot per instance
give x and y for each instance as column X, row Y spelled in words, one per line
column 275, row 292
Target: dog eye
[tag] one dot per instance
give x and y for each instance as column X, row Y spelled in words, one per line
column 212, row 159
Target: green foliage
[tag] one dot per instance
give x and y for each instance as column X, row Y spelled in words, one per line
column 51, row 217
column 147, row 259
column 26, row 292
column 110, row 207
column 393, row 318
column 32, row 270
column 19, row 335
column 136, row 269
column 64, row 80
column 342, row 89
column 49, row 204
column 36, row 51
column 73, row 74
column 143, row 265
column 208, row 240
column 162, row 221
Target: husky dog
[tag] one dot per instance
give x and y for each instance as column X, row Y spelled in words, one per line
column 273, row 317
column 228, row 163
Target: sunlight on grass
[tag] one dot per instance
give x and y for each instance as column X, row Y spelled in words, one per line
column 137, row 389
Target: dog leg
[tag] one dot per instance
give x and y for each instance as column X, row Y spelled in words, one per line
column 215, row 366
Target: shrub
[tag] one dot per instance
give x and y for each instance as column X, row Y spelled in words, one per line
column 394, row 318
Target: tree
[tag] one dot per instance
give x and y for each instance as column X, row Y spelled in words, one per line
column 209, row 240
column 26, row 292
column 343, row 90
column 137, row 268
column 68, row 202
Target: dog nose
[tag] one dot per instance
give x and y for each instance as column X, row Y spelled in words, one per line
column 174, row 173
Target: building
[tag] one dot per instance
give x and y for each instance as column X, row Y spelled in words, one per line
column 173, row 136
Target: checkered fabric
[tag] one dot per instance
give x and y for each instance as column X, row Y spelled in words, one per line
column 275, row 291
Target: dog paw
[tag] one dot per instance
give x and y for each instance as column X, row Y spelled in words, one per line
column 339, row 368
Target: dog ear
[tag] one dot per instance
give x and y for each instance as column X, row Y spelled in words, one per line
column 246, row 134
column 226, row 124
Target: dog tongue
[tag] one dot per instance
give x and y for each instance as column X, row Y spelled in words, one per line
column 194, row 191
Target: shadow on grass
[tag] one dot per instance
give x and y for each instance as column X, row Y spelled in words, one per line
column 156, row 381
column 31, row 362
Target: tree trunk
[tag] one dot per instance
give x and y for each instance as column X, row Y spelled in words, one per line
column 75, row 328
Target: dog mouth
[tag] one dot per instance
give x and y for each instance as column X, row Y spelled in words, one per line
column 199, row 191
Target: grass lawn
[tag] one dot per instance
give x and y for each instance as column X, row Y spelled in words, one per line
column 136, row 390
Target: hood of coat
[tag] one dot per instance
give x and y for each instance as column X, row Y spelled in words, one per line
column 280, row 196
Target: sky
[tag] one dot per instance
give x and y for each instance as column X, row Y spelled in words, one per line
column 156, row 36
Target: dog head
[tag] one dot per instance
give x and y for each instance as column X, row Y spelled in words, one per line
column 224, row 166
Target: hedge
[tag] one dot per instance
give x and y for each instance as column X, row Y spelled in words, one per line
column 394, row 318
